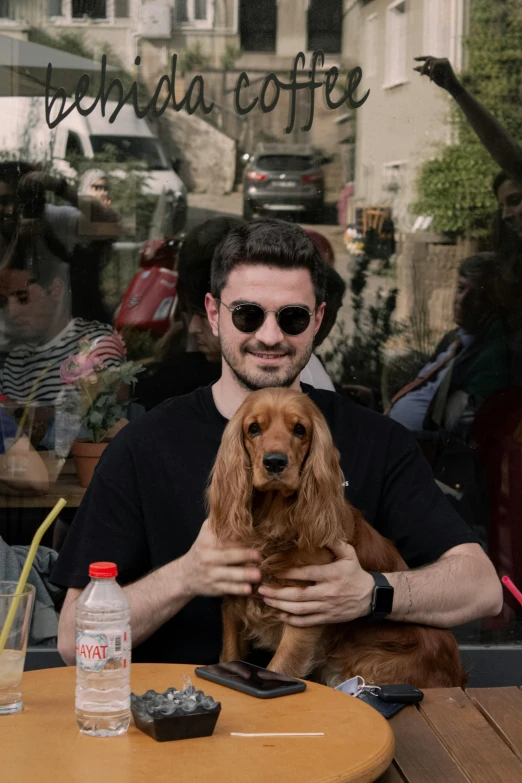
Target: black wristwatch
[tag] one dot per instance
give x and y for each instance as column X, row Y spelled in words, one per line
column 382, row 597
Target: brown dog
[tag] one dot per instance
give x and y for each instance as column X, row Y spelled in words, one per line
column 277, row 487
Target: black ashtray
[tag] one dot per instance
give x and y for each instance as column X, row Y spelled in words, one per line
column 175, row 715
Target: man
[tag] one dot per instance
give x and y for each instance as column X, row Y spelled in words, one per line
column 145, row 510
column 470, row 362
column 194, row 269
column 37, row 308
column 70, row 228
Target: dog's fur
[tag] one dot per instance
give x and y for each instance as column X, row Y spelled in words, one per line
column 292, row 519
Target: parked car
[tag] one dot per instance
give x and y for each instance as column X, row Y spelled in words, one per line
column 283, row 178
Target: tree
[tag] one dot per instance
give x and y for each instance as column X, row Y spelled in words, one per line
column 455, row 186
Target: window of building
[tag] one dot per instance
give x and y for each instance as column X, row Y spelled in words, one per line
column 370, row 46
column 325, row 26
column 121, row 9
column 258, row 25
column 437, row 27
column 396, row 43
column 74, row 145
column 194, row 13
column 393, row 176
column 7, row 10
column 92, row 9
column 54, row 8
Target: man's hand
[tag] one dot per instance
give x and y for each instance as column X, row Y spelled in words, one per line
column 440, row 71
column 212, row 567
column 342, row 591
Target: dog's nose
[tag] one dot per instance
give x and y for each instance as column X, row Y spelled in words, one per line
column 276, row 462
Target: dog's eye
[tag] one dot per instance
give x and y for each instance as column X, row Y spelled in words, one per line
column 254, row 429
column 299, row 431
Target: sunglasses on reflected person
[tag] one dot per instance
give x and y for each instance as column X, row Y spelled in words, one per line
column 249, row 317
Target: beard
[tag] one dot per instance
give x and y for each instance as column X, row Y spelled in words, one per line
column 264, row 377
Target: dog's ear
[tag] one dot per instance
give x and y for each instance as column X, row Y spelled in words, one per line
column 320, row 509
column 229, row 494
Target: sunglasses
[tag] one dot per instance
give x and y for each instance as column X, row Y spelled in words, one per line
column 291, row 319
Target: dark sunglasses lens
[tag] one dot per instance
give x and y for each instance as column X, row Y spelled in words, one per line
column 248, row 318
column 294, row 320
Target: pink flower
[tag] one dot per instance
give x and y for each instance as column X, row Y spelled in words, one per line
column 76, row 367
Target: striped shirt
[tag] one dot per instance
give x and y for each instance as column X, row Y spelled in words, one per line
column 25, row 363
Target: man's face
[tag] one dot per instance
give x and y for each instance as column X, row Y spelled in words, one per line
column 268, row 357
column 202, row 331
column 7, row 209
column 471, row 304
column 509, row 197
column 31, row 310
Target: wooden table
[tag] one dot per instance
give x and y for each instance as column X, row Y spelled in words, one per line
column 43, row 743
column 459, row 737
column 64, row 484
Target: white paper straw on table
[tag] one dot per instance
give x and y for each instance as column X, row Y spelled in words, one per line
column 280, row 734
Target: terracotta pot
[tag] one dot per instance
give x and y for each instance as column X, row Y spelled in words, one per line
column 86, row 456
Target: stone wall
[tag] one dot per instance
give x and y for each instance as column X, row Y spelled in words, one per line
column 427, row 270
column 208, row 156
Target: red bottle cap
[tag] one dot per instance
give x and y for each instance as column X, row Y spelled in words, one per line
column 100, row 570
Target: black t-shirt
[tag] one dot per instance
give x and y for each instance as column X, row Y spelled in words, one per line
column 145, row 504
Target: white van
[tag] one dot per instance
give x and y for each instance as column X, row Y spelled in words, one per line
column 24, row 134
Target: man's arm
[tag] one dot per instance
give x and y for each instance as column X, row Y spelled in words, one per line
column 460, row 586
column 96, row 220
column 209, row 568
column 502, row 147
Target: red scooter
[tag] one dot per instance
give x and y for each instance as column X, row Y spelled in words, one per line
column 150, row 301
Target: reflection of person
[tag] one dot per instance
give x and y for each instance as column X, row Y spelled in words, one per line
column 182, row 372
column 470, row 362
column 22, row 471
column 26, row 217
column 507, row 153
column 38, row 312
column 90, row 254
column 145, row 505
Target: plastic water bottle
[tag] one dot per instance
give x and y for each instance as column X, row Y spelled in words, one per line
column 68, row 419
column 103, row 655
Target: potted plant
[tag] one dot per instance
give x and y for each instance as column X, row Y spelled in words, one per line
column 95, row 376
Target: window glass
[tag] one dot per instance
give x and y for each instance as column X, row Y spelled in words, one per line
column 284, row 162
column 94, row 9
column 123, row 148
column 396, row 42
column 407, row 178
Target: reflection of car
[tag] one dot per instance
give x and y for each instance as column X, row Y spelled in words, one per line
column 25, row 134
column 283, row 177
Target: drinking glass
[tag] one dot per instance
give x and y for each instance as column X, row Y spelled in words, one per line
column 12, row 657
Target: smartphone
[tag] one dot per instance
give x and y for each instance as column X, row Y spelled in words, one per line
column 254, row 680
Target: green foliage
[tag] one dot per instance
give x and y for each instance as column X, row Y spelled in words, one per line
column 359, row 358
column 455, row 187
column 126, row 189
column 103, row 409
column 140, row 343
column 194, row 59
column 230, row 56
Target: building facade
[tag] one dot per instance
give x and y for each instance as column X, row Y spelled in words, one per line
column 406, row 117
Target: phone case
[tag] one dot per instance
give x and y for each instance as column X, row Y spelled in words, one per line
column 285, row 690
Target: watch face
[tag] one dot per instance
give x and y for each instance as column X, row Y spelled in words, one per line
column 383, row 600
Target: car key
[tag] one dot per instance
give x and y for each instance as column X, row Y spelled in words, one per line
column 398, row 694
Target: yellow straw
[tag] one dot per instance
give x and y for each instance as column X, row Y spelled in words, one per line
column 35, row 543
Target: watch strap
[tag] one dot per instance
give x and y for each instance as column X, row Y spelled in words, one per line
column 380, row 581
